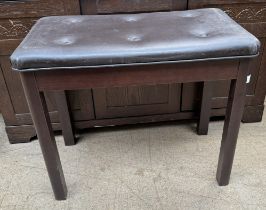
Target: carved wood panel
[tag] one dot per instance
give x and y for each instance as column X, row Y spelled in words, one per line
column 253, row 17
column 191, row 91
column 251, row 13
column 16, row 19
column 31, row 8
column 127, row 6
column 15, row 28
column 241, row 11
column 105, row 6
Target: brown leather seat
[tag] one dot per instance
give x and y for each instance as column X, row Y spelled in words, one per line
column 130, row 39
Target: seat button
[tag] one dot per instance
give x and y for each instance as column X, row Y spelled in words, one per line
column 202, row 35
column 188, row 14
column 199, row 33
column 75, row 20
column 134, row 38
column 131, row 19
column 72, row 20
column 65, row 41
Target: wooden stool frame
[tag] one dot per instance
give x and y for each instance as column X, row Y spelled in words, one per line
column 59, row 80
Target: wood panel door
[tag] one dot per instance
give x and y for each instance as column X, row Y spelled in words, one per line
column 136, row 101
column 122, row 6
column 251, row 15
column 80, row 101
column 16, row 20
column 16, row 97
column 81, row 105
column 191, row 91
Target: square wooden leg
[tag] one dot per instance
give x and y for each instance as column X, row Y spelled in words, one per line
column 65, row 119
column 234, row 112
column 205, row 108
column 41, row 120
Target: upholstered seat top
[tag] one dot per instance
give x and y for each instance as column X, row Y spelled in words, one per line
column 132, row 39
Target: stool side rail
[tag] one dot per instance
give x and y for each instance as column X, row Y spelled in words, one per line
column 71, row 79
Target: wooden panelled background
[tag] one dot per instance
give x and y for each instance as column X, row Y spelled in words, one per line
column 122, row 105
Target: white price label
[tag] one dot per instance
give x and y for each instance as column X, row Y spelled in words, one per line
column 248, row 78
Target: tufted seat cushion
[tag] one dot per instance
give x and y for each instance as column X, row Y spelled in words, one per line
column 131, row 39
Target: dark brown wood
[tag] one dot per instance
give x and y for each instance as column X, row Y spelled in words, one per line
column 255, row 89
column 25, row 118
column 260, row 86
column 193, row 4
column 251, row 15
column 40, row 116
column 37, row 8
column 81, row 103
column 253, row 114
column 15, row 108
column 205, row 108
column 5, row 108
column 192, row 91
column 35, row 83
column 15, row 91
column 65, row 118
column 20, row 134
column 137, row 100
column 235, row 108
column 136, row 75
column 89, row 7
column 145, row 119
column 17, row 17
column 25, row 133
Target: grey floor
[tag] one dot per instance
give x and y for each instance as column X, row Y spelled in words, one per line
column 163, row 166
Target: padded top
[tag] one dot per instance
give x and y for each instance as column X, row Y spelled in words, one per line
column 132, row 39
